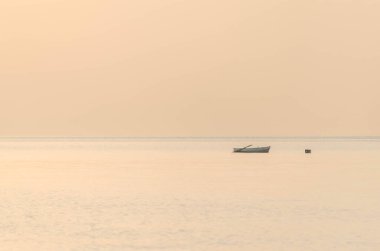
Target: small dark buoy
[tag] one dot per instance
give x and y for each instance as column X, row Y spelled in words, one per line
column 307, row 151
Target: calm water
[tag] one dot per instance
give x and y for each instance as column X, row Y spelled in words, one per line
column 189, row 195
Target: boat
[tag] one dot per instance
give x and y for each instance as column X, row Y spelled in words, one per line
column 248, row 149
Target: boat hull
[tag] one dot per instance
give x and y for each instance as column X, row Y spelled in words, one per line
column 252, row 150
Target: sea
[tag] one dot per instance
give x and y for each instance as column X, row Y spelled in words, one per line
column 182, row 194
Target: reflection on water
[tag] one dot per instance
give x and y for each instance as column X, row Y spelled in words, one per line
column 189, row 195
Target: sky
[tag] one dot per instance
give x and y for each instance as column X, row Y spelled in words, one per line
column 166, row 68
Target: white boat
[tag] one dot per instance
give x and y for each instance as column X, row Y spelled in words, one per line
column 249, row 149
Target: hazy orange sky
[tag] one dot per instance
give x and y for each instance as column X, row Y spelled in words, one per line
column 189, row 68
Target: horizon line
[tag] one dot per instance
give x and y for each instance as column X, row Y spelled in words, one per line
column 121, row 138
